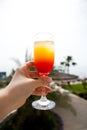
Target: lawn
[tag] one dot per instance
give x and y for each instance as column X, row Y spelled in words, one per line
column 77, row 88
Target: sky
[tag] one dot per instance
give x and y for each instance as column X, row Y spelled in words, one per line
column 20, row 20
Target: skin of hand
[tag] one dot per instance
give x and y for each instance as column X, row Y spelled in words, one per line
column 42, row 90
column 22, row 85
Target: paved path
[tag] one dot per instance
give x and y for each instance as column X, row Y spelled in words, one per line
column 71, row 121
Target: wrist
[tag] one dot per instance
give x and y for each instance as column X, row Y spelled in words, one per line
column 5, row 104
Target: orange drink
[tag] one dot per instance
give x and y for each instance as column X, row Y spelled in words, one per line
column 44, row 56
column 44, row 61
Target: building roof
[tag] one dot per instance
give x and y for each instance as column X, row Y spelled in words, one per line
column 63, row 76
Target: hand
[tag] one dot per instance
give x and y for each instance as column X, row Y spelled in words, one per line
column 23, row 84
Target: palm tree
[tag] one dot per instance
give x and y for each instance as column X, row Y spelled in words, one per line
column 67, row 63
column 28, row 57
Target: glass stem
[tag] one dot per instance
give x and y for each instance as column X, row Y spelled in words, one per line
column 43, row 98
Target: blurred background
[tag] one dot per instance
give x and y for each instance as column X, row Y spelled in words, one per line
column 66, row 19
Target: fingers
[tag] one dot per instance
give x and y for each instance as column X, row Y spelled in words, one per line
column 41, row 82
column 28, row 72
column 29, row 64
column 39, row 91
column 46, row 80
column 33, row 74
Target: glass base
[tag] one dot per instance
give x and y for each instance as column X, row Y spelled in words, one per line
column 43, row 104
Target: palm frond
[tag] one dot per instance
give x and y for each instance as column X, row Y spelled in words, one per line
column 17, row 61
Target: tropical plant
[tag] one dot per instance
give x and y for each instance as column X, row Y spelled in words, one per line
column 67, row 63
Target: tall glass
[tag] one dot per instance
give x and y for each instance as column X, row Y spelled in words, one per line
column 44, row 61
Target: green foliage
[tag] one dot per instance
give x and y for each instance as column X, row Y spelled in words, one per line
column 29, row 118
column 84, row 83
column 6, row 81
column 76, row 88
column 2, row 83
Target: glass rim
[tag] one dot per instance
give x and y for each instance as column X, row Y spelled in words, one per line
column 43, row 36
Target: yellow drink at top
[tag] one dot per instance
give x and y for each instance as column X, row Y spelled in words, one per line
column 44, row 56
